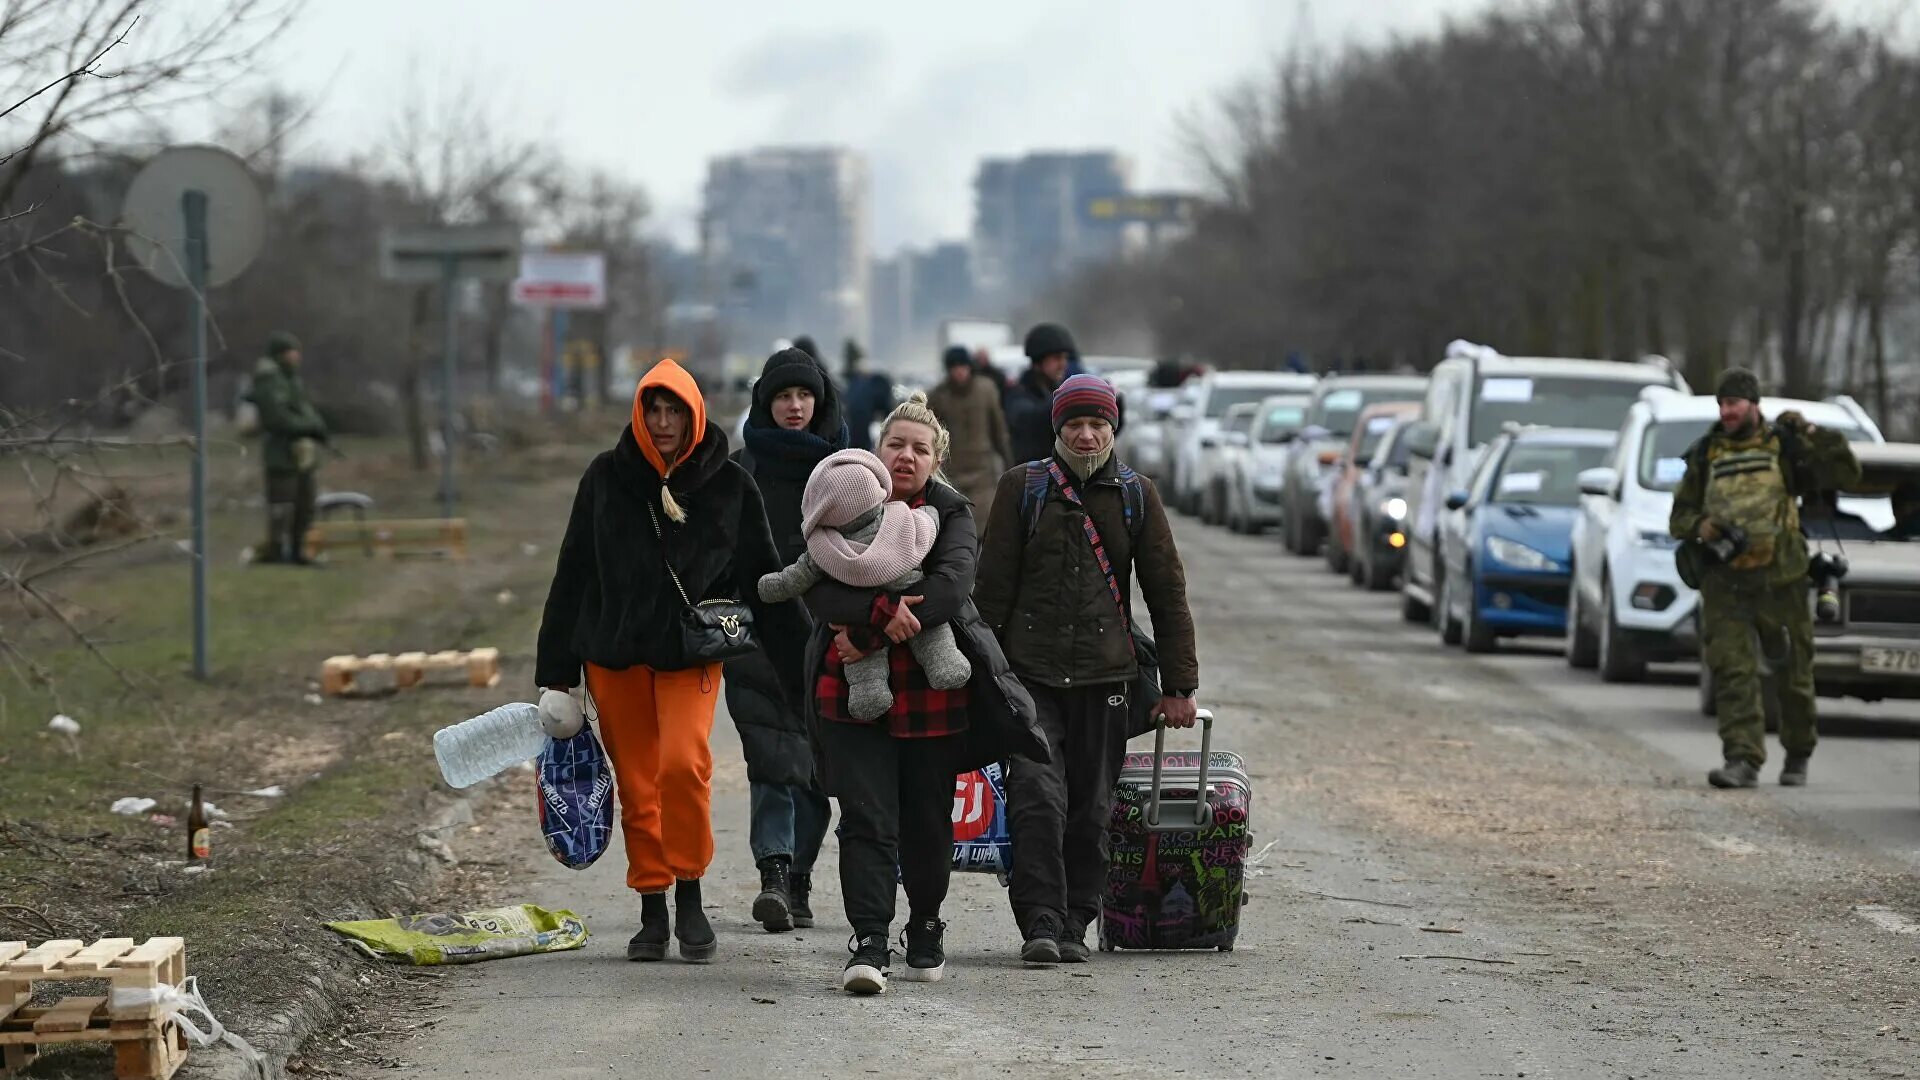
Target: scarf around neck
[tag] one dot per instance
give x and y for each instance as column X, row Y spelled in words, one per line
column 790, row 455
column 1080, row 465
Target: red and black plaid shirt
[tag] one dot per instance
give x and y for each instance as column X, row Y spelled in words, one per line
column 919, row 711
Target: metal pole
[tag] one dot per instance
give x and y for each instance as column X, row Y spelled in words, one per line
column 562, row 319
column 193, row 204
column 449, row 269
column 546, row 362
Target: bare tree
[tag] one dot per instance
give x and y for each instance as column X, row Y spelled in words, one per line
column 75, row 67
column 1724, row 181
column 456, row 166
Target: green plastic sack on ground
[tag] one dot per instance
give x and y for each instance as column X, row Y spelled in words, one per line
column 468, row 937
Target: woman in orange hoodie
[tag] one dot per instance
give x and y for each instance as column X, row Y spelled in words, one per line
column 666, row 496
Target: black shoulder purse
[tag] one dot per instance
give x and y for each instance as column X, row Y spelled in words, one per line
column 711, row 631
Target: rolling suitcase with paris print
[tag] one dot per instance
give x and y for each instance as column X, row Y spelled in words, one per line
column 1177, row 848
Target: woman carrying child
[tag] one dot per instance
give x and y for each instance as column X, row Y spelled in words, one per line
column 894, row 774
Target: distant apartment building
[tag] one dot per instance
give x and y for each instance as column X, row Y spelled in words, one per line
column 784, row 239
column 1032, row 225
column 914, row 291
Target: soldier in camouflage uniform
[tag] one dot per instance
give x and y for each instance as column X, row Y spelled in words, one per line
column 291, row 434
column 1742, row 481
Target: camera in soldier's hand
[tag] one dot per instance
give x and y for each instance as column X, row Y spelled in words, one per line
column 1793, row 421
column 1826, row 571
column 1724, row 542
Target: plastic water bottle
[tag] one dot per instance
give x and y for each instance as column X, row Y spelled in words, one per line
column 472, row 750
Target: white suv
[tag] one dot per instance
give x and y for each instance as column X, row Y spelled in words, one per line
column 1205, row 404
column 1472, row 396
column 1628, row 605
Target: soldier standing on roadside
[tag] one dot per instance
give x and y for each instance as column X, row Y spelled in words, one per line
column 291, row 434
column 1738, row 521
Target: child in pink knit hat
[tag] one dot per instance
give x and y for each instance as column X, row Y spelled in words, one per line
column 856, row 536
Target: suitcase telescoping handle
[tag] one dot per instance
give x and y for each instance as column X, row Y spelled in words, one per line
column 1201, row 810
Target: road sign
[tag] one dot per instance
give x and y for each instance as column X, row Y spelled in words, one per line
column 1147, row 209
column 196, row 219
column 236, row 214
column 562, row 279
column 445, row 254
column 416, row 255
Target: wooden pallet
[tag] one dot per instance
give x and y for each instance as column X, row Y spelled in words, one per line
column 147, row 1043
column 340, row 674
column 385, row 539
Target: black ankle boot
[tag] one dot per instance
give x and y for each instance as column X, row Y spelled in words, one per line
column 799, row 899
column 697, row 943
column 651, row 942
column 773, row 908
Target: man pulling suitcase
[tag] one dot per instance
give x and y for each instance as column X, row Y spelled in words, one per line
column 1064, row 541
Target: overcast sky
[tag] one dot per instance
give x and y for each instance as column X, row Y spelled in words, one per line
column 651, row 89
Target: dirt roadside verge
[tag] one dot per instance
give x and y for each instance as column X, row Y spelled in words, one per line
column 360, row 790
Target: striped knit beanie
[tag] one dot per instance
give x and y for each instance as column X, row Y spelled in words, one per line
column 1085, row 395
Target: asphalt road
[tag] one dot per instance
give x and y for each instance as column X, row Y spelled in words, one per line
column 1867, row 783
column 1467, row 867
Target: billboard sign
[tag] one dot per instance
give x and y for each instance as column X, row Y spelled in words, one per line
column 1141, row 209
column 562, row 279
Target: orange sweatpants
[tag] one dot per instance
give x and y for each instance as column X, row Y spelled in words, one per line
column 655, row 726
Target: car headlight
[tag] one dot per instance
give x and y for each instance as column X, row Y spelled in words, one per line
column 1518, row 555
column 1395, row 508
column 1658, row 540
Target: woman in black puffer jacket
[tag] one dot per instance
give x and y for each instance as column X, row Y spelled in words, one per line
column 794, row 423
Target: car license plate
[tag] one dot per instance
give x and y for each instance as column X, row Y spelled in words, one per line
column 1890, row 661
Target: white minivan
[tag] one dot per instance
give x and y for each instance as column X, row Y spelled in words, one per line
column 1472, row 395
column 1628, row 605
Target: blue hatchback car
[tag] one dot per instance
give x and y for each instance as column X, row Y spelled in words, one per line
column 1505, row 543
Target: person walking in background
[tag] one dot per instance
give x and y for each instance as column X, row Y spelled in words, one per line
column 661, row 523
column 868, row 397
column 793, row 425
column 1050, row 351
column 894, row 776
column 1055, row 585
column 968, row 404
column 291, row 435
column 1737, row 516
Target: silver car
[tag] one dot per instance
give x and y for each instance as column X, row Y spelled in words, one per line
column 1869, row 647
column 1254, row 488
column 1313, row 459
column 1220, row 457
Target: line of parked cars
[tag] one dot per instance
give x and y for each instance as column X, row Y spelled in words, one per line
column 1528, row 496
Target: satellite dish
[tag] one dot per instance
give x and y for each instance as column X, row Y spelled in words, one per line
column 236, row 213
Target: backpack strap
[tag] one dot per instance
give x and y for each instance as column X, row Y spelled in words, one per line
column 1034, row 495
column 1133, row 498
